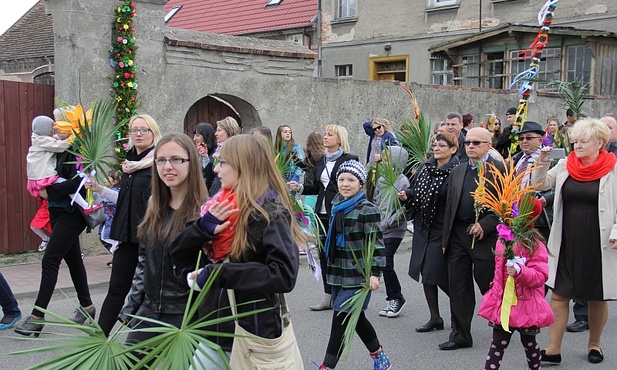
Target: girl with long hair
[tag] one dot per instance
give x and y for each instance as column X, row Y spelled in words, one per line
column 263, row 254
column 285, row 146
column 177, row 191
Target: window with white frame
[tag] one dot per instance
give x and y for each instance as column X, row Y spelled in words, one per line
column 550, row 66
column 346, row 8
column 344, row 70
column 436, row 3
column 441, row 71
column 579, row 64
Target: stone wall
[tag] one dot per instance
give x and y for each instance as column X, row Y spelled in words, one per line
column 172, row 78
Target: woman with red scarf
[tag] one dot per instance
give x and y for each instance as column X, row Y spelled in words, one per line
column 583, row 241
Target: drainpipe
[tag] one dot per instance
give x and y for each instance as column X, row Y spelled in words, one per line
column 318, row 38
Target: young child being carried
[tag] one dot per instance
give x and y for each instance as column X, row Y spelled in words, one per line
column 532, row 311
column 354, row 220
column 219, row 247
column 41, row 158
column 111, row 182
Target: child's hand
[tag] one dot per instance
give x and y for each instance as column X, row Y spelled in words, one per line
column 374, row 281
column 512, row 271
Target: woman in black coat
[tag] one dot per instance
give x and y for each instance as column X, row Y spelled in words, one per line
column 132, row 202
column 325, row 187
column 426, row 197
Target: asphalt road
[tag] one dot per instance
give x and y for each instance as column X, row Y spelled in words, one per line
column 407, row 349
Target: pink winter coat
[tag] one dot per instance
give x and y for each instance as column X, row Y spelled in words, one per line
column 532, row 308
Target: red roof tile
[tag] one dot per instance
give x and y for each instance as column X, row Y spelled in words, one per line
column 30, row 37
column 240, row 17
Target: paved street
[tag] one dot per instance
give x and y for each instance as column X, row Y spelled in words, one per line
column 407, row 349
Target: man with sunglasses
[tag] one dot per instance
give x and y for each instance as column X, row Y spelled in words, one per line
column 466, row 264
column 530, row 142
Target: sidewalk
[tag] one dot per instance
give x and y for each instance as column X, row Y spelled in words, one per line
column 25, row 279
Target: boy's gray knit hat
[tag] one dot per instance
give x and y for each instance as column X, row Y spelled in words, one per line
column 42, row 125
column 355, row 168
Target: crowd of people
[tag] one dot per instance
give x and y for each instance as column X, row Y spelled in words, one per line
column 223, row 193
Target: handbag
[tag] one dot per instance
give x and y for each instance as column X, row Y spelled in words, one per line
column 251, row 352
column 96, row 213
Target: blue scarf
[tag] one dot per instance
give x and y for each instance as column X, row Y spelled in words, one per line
column 331, row 157
column 339, row 211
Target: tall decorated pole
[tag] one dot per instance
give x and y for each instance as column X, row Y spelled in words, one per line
column 524, row 80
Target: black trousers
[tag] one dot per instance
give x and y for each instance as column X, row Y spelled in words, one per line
column 63, row 245
column 124, row 261
column 465, row 265
column 323, row 260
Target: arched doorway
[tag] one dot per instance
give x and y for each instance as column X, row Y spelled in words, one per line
column 215, row 107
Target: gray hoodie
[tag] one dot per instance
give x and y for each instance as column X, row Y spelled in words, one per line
column 393, row 225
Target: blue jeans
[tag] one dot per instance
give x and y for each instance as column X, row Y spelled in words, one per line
column 393, row 286
column 7, row 299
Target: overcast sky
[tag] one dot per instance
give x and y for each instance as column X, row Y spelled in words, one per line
column 12, row 10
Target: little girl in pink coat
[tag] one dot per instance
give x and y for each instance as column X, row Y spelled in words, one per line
column 531, row 312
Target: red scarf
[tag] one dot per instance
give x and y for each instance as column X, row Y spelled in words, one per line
column 602, row 165
column 220, row 246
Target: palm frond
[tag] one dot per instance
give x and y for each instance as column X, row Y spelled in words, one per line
column 353, row 305
column 387, row 175
column 96, row 138
column 415, row 137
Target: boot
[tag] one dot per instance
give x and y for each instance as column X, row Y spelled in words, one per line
column 381, row 361
column 326, row 304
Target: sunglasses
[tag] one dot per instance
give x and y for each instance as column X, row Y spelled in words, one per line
column 475, row 142
column 376, row 128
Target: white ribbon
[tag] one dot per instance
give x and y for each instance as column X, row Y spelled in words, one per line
column 517, row 262
column 545, row 10
column 85, row 177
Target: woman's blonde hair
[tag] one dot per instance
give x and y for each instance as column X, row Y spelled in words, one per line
column 154, row 225
column 152, row 125
column 251, row 156
column 342, row 134
column 230, row 125
column 387, row 126
column 590, row 128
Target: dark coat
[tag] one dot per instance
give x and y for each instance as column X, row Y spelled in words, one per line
column 271, row 268
column 388, row 138
column 317, row 188
column 427, row 258
column 487, row 220
column 60, row 193
column 132, row 203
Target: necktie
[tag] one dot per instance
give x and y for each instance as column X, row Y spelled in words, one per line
column 522, row 166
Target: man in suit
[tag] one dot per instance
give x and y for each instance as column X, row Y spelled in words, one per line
column 530, row 142
column 460, row 228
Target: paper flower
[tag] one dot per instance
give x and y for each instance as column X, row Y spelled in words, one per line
column 505, row 232
column 121, row 64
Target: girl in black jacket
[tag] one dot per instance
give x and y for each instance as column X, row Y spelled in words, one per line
column 263, row 256
column 178, row 190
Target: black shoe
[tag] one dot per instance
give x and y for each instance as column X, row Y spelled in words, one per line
column 29, row 326
column 577, row 326
column 430, row 326
column 450, row 346
column 80, row 316
column 595, row 356
column 556, row 359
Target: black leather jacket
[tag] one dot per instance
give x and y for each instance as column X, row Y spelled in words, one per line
column 269, row 269
column 156, row 284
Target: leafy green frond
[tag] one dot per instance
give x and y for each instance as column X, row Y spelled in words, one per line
column 386, row 191
column 415, row 137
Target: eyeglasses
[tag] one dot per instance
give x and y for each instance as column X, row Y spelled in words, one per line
column 528, row 138
column 377, row 128
column 174, row 161
column 142, row 131
column 474, row 142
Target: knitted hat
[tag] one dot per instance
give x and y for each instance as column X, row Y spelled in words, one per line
column 537, row 210
column 64, row 127
column 355, row 168
column 42, row 125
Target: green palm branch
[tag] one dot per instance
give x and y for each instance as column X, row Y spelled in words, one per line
column 354, row 305
column 573, row 92
column 387, row 174
column 173, row 348
column 415, row 137
column 97, row 139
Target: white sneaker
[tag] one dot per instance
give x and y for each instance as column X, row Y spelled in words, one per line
column 43, row 245
column 386, row 309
